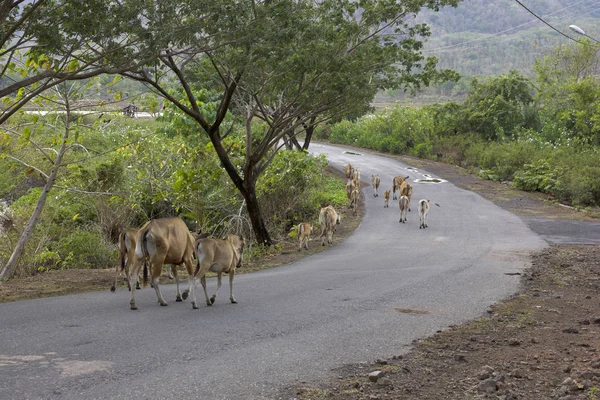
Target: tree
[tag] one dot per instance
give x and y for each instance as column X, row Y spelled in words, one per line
column 499, row 107
column 291, row 64
column 46, row 42
column 569, row 90
column 65, row 95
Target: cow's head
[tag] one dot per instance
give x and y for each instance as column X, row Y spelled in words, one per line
column 238, row 245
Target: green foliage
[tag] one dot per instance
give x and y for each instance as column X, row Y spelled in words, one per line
column 85, row 249
column 539, row 176
column 397, row 130
column 498, row 108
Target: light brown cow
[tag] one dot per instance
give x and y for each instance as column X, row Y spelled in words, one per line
column 219, row 256
column 356, row 183
column 162, row 241
column 127, row 242
column 375, row 183
column 349, row 171
column 354, row 199
column 304, row 231
column 328, row 218
column 403, row 205
column 386, row 198
column 356, row 174
column 406, row 190
column 396, row 182
column 349, row 189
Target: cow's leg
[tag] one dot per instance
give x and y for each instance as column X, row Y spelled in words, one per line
column 172, row 271
column 322, row 236
column 156, row 268
column 306, row 242
column 203, row 282
column 231, row 275
column 133, row 276
column 176, row 276
column 214, row 296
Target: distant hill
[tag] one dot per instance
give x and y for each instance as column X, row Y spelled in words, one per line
column 488, row 37
column 491, row 37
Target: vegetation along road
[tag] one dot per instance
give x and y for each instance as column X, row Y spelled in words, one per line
column 293, row 323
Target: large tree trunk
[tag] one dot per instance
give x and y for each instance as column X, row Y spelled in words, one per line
column 256, row 218
column 309, row 132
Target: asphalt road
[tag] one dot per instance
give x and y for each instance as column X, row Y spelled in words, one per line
column 293, row 323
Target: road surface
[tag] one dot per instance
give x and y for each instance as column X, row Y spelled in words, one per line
column 366, row 298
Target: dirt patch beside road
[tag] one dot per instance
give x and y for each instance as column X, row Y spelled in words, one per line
column 541, row 344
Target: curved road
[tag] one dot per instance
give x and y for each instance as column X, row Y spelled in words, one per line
column 293, row 323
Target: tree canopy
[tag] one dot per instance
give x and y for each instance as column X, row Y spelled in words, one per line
column 290, row 64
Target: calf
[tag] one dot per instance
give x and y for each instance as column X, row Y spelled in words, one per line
column 328, row 218
column 375, row 183
column 423, row 211
column 396, row 182
column 220, row 256
column 349, row 171
column 403, row 204
column 127, row 242
column 386, row 199
column 304, row 231
column 162, row 241
column 355, row 197
column 349, row 188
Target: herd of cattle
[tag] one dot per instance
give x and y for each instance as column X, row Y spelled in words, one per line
column 328, row 217
column 169, row 241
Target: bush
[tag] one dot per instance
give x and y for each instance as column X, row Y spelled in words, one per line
column 85, row 249
column 539, row 176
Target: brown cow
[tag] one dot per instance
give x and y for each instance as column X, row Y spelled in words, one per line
column 386, row 198
column 328, row 218
column 356, row 183
column 349, row 189
column 127, row 242
column 356, row 174
column 304, row 231
column 220, row 256
column 375, row 183
column 406, row 190
column 396, row 182
column 349, row 171
column 162, row 241
column 355, row 197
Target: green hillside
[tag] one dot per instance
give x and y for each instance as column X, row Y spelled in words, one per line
column 486, row 38
column 483, row 37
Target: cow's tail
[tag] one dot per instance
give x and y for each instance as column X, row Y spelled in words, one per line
column 141, row 250
column 199, row 256
column 322, row 218
column 122, row 249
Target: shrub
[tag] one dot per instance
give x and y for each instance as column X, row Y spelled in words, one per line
column 85, row 249
column 539, row 176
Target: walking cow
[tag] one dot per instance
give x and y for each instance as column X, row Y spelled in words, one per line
column 375, row 183
column 328, row 218
column 162, row 241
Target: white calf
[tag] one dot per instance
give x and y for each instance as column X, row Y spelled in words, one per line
column 403, row 204
column 375, row 183
column 423, row 211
